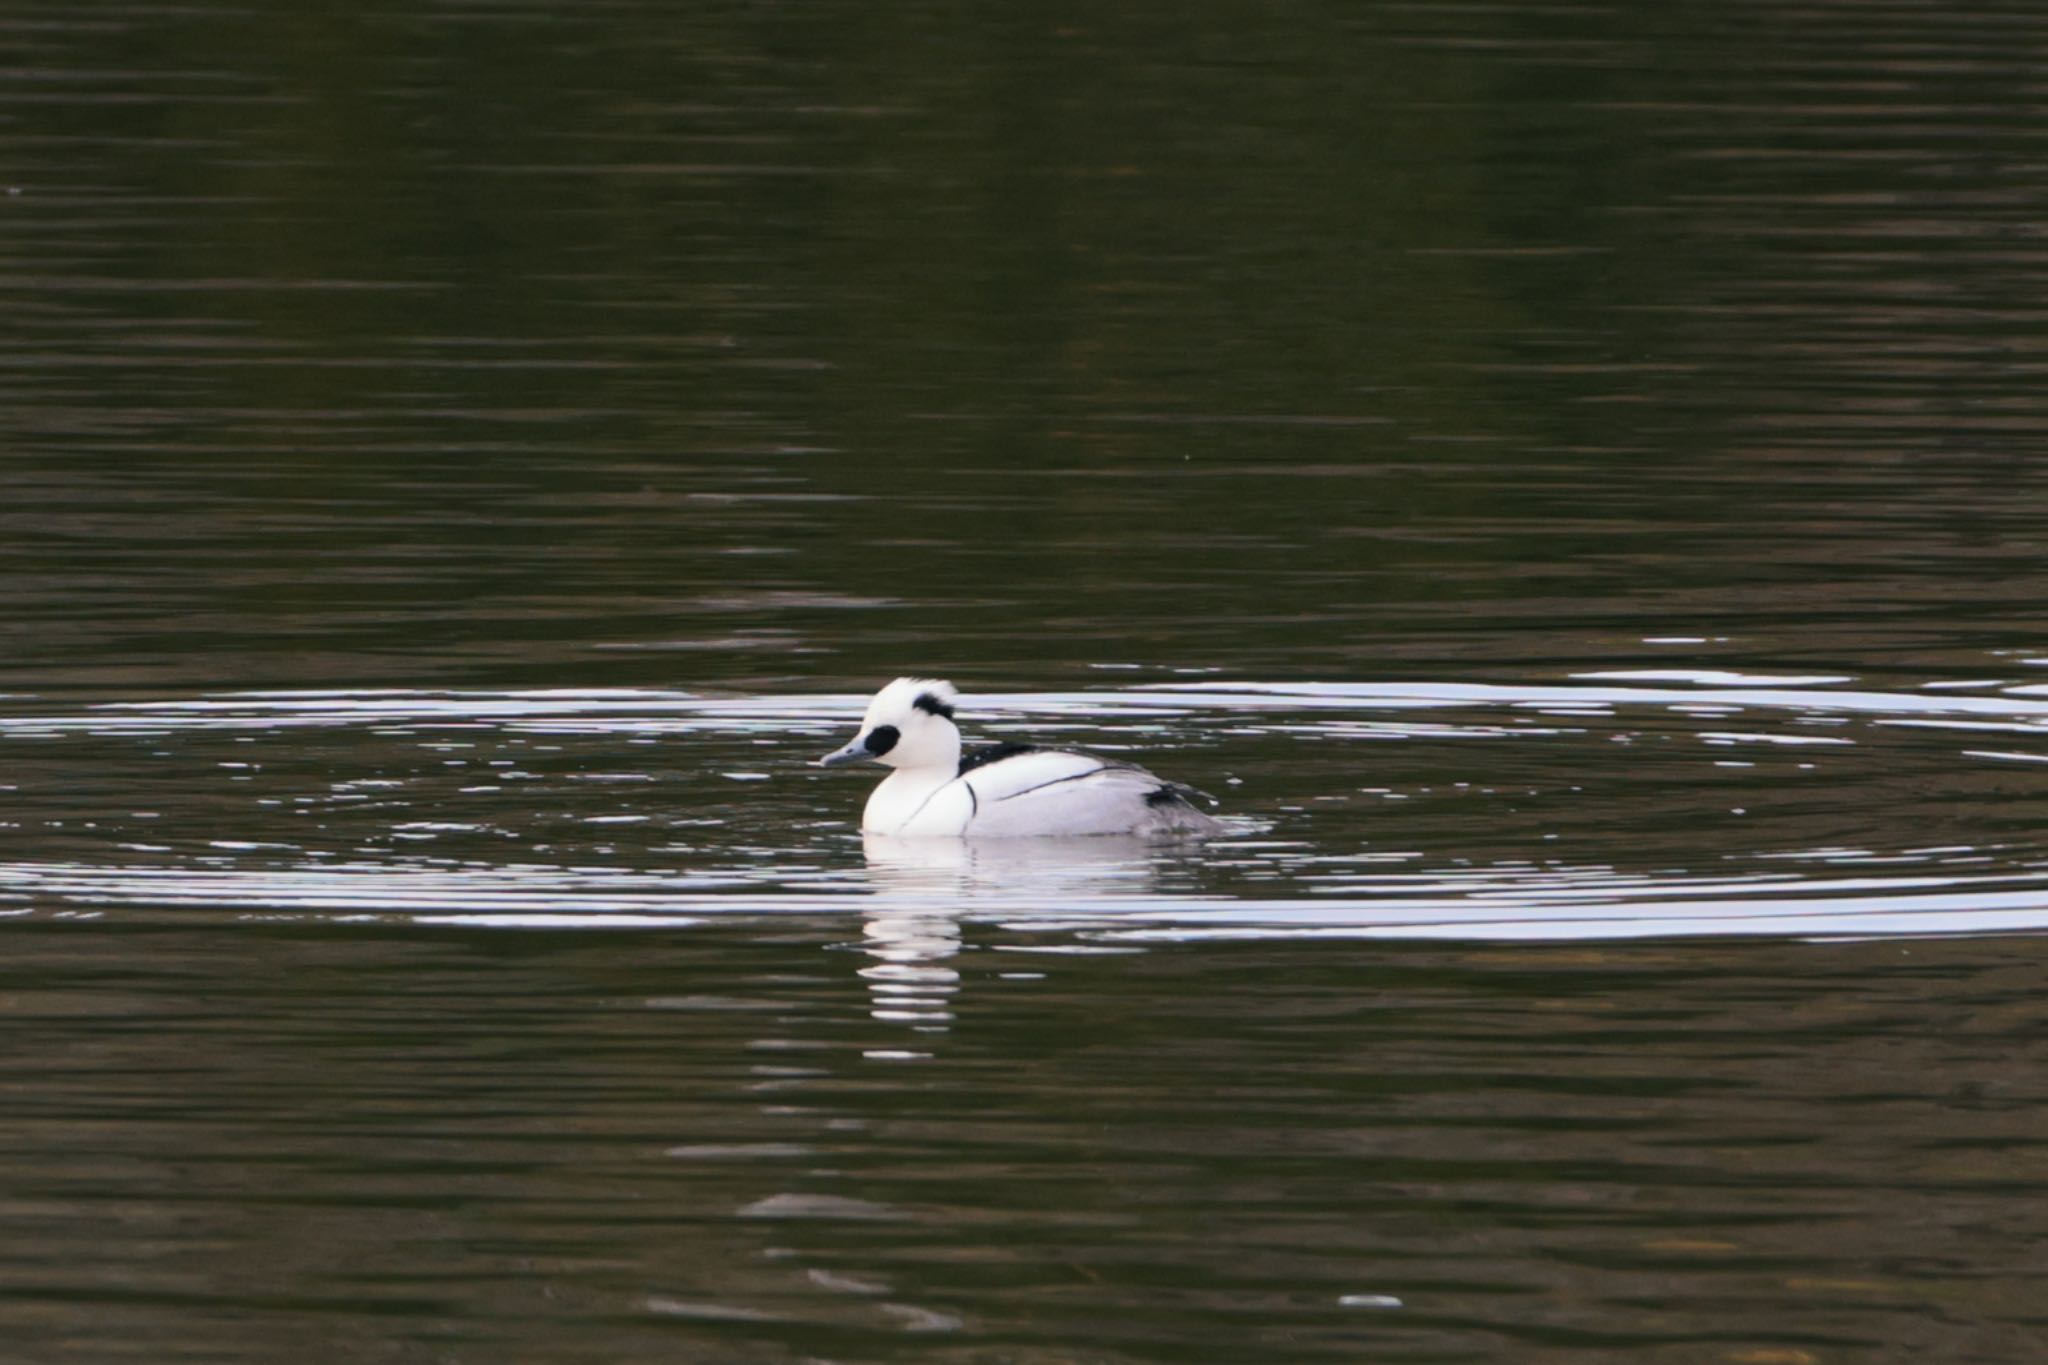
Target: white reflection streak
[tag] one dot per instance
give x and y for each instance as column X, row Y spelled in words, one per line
column 642, row 712
column 505, row 898
column 924, row 886
column 910, row 982
column 913, row 927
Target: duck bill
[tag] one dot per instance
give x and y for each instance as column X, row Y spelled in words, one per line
column 852, row 753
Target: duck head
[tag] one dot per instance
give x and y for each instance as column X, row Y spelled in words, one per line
column 909, row 724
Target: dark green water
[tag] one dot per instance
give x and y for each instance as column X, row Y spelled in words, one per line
column 1569, row 477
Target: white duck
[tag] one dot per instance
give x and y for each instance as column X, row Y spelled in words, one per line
column 1000, row 789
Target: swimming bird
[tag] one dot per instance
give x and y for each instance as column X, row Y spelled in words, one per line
column 1000, row 789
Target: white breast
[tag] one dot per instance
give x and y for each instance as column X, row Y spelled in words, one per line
column 918, row 801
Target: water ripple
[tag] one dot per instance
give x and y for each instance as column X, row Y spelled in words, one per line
column 654, row 809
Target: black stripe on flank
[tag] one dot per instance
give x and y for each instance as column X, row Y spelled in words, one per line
column 881, row 740
column 1071, row 777
column 1164, row 796
column 930, row 703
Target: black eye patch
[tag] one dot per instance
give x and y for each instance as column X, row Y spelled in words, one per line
column 881, row 740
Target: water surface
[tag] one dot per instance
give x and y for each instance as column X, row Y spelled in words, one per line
column 1565, row 476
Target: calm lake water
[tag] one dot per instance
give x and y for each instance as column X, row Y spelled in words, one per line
column 1568, row 477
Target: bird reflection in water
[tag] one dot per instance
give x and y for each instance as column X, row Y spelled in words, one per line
column 924, row 887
